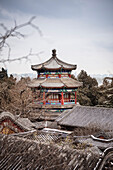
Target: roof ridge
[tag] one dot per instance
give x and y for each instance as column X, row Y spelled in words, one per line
column 65, row 62
column 95, row 107
column 17, row 120
column 56, row 59
column 43, row 62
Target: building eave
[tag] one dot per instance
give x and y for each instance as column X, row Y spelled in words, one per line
column 55, row 61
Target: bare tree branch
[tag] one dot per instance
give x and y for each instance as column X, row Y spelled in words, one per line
column 26, row 57
column 13, row 32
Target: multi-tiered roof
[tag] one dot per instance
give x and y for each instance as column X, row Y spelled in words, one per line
column 54, row 73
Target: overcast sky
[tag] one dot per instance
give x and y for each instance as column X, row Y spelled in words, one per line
column 80, row 30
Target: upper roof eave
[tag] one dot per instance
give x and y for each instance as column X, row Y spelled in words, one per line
column 35, row 69
column 54, row 64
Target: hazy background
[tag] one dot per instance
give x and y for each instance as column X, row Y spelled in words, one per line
column 80, row 30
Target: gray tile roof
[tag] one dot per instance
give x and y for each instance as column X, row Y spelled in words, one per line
column 55, row 83
column 36, row 82
column 106, row 160
column 54, row 63
column 84, row 116
column 69, row 82
column 94, row 141
column 21, row 153
column 23, row 123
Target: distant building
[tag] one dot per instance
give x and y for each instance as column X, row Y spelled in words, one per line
column 55, row 84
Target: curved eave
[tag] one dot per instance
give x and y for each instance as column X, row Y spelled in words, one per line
column 60, row 65
column 51, row 69
column 70, row 68
column 35, row 69
column 36, row 82
column 55, row 83
column 73, row 67
column 58, row 87
column 74, row 86
column 65, row 68
column 71, row 83
column 71, row 87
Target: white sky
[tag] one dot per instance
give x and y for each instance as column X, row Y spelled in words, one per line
column 80, row 30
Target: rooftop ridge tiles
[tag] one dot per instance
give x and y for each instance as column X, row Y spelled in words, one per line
column 58, row 61
column 18, row 121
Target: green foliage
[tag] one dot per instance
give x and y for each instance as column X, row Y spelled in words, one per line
column 90, row 94
column 83, row 99
column 88, row 81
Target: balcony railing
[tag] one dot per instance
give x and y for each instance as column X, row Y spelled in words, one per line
column 57, row 102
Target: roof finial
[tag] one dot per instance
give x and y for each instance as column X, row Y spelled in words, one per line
column 54, row 53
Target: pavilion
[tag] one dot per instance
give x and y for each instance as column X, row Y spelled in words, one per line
column 54, row 86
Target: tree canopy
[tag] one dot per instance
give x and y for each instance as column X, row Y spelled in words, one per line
column 91, row 94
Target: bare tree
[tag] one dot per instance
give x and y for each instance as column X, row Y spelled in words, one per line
column 15, row 32
column 11, row 97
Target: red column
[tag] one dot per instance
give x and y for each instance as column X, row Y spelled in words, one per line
column 75, row 97
column 46, row 75
column 59, row 75
column 44, row 102
column 69, row 75
column 62, row 100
